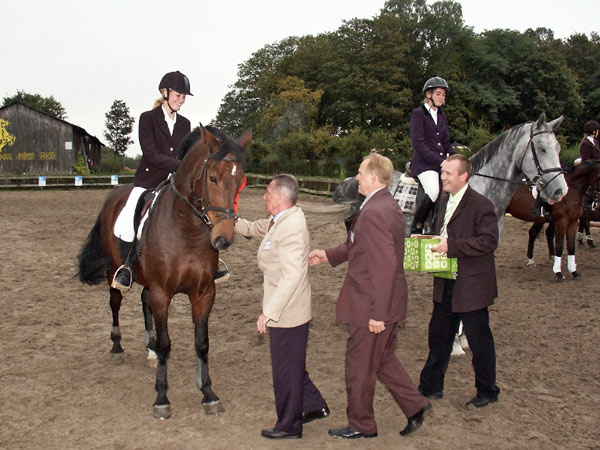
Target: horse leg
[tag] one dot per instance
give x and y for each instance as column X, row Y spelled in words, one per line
column 571, row 264
column 588, row 235
column 159, row 304
column 115, row 332
column 149, row 335
column 580, row 229
column 560, row 236
column 550, row 234
column 201, row 307
column 533, row 233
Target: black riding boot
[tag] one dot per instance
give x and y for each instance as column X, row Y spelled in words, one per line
column 125, row 275
column 421, row 215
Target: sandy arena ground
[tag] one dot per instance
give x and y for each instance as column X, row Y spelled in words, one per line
column 61, row 388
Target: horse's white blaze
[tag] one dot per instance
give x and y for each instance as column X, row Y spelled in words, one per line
column 234, row 170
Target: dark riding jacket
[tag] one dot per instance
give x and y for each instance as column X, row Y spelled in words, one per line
column 588, row 151
column 431, row 141
column 159, row 148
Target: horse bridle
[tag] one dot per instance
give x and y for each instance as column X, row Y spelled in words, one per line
column 226, row 213
column 540, row 170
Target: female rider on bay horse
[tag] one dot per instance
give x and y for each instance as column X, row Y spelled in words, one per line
column 161, row 130
column 431, row 141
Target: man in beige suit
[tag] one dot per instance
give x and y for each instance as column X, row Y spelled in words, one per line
column 286, row 306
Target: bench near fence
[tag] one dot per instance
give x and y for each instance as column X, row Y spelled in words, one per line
column 308, row 185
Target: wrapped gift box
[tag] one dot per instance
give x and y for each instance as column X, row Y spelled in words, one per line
column 419, row 257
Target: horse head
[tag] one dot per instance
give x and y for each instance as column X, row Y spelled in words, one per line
column 212, row 173
column 540, row 160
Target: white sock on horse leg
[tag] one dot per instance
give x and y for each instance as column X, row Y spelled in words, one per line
column 571, row 264
column 557, row 263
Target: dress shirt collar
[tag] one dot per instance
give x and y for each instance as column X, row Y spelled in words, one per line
column 456, row 198
column 170, row 122
column 433, row 112
column 281, row 213
column 591, row 139
column 370, row 195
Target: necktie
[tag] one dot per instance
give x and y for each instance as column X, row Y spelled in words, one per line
column 271, row 223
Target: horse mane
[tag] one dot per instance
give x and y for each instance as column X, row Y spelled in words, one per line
column 229, row 145
column 488, row 151
column 188, row 142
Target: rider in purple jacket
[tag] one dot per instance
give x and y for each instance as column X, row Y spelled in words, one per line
column 431, row 142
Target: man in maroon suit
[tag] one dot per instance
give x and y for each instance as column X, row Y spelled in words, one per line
column 468, row 229
column 372, row 301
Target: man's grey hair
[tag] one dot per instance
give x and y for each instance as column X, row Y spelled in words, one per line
column 288, row 186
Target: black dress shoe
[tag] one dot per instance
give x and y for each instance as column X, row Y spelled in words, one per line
column 348, row 433
column 481, row 400
column 431, row 395
column 309, row 416
column 274, row 433
column 416, row 421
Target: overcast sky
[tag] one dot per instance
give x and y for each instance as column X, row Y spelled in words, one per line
column 87, row 54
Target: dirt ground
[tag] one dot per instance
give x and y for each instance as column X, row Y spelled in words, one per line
column 61, row 388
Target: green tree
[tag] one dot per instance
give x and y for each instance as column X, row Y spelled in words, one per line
column 47, row 105
column 119, row 125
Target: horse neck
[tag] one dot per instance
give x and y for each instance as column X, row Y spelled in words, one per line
column 189, row 170
column 503, row 165
column 581, row 178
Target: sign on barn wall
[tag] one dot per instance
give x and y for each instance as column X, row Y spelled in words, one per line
column 5, row 137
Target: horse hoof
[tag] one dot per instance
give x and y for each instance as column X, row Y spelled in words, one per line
column 559, row 277
column 531, row 262
column 213, row 408
column 576, row 275
column 161, row 412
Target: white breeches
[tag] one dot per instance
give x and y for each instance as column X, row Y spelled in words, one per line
column 430, row 180
column 124, row 224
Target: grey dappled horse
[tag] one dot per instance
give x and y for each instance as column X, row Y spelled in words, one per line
column 528, row 150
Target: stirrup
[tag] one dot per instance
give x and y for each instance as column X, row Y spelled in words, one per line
column 222, row 275
column 116, row 285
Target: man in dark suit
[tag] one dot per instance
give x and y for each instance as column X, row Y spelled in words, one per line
column 372, row 301
column 468, row 230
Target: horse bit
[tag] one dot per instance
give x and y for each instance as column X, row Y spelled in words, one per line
column 227, row 213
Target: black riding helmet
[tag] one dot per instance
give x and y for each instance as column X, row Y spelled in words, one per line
column 177, row 82
column 591, row 126
column 436, row 82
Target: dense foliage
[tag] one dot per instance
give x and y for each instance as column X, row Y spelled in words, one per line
column 47, row 105
column 318, row 103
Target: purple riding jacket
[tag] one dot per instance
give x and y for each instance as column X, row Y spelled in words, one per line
column 431, row 142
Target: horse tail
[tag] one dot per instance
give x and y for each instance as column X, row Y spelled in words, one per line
column 93, row 264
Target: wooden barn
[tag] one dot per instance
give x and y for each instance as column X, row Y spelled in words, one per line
column 32, row 142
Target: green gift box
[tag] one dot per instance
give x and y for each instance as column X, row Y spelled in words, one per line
column 419, row 257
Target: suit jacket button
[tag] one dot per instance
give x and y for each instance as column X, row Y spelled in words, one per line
column 147, row 170
column 171, row 149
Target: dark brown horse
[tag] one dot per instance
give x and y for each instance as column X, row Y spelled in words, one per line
column 191, row 220
column 564, row 215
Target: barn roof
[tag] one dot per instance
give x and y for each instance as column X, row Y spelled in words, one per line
column 76, row 127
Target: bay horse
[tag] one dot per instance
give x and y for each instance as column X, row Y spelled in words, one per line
column 583, row 180
column 192, row 219
column 529, row 150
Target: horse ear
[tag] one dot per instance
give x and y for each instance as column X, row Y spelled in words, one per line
column 556, row 122
column 541, row 120
column 245, row 138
